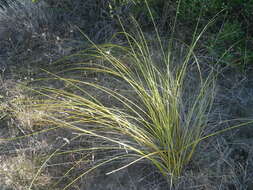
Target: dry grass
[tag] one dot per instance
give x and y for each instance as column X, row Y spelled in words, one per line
column 17, row 172
column 138, row 104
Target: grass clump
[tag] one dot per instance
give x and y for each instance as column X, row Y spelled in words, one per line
column 157, row 115
column 148, row 100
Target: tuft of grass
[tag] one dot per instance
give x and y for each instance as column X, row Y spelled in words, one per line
column 158, row 108
column 161, row 117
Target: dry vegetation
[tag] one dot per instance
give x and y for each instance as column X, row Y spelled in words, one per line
column 134, row 111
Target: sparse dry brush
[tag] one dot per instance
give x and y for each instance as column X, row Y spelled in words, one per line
column 145, row 99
